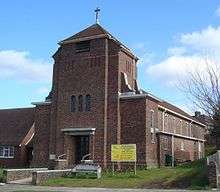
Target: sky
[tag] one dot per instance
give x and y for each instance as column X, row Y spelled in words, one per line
column 169, row 38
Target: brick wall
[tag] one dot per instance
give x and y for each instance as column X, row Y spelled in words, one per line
column 19, row 160
column 41, row 138
column 151, row 147
column 133, row 126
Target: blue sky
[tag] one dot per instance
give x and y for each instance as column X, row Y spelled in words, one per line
column 165, row 35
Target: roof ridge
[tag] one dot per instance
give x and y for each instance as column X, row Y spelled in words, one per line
column 19, row 108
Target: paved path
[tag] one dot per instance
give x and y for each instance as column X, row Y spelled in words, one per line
column 16, row 187
column 26, row 181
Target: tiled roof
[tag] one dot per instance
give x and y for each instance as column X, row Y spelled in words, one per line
column 177, row 110
column 174, row 108
column 15, row 124
column 92, row 30
column 95, row 30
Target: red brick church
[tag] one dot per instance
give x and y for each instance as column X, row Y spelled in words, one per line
column 95, row 101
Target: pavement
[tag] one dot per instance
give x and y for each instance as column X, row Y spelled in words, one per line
column 28, row 188
column 26, row 181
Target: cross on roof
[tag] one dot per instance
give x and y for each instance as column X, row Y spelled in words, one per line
column 97, row 10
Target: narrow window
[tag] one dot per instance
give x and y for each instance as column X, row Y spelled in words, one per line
column 174, row 125
column 83, row 46
column 88, row 102
column 187, row 128
column 181, row 127
column 80, row 100
column 166, row 128
column 151, row 118
column 152, row 127
column 73, row 103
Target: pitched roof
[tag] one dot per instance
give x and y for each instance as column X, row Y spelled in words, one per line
column 15, row 124
column 177, row 110
column 172, row 107
column 94, row 30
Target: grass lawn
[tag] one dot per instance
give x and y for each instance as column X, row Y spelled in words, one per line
column 191, row 176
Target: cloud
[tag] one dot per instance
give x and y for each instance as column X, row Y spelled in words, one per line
column 176, row 51
column 175, row 68
column 217, row 11
column 19, row 66
column 188, row 57
column 206, row 39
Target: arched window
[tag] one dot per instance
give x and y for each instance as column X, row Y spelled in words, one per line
column 80, row 100
column 73, row 103
column 88, row 102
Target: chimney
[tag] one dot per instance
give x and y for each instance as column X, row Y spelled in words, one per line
column 197, row 113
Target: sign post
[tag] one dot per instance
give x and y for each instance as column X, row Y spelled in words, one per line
column 123, row 153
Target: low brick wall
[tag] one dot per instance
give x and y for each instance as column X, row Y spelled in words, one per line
column 213, row 162
column 58, row 164
column 38, row 177
column 16, row 174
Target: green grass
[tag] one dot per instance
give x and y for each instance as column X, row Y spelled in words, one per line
column 191, row 176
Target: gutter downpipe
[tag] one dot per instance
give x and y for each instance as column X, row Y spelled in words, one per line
column 173, row 158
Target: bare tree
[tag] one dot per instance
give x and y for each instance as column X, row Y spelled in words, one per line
column 202, row 86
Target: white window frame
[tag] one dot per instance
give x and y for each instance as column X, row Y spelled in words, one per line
column 7, row 152
column 152, row 126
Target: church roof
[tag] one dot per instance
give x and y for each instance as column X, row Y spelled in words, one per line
column 15, row 124
column 94, row 31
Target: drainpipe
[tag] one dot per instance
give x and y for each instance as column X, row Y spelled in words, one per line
column 172, row 143
column 199, row 149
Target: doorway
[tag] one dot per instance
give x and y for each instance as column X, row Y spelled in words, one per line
column 82, row 147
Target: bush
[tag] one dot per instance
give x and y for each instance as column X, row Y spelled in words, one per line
column 210, row 150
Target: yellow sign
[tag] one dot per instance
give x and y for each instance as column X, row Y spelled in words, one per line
column 123, row 153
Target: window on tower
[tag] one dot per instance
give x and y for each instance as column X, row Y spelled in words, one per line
column 73, row 103
column 83, row 46
column 88, row 102
column 80, row 100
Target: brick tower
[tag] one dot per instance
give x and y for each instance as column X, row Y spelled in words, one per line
column 81, row 115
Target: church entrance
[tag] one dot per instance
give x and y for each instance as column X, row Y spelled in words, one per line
column 77, row 144
column 82, row 147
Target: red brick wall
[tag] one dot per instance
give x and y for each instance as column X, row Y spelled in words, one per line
column 152, row 147
column 79, row 74
column 164, row 148
column 41, row 137
column 133, row 125
column 19, row 160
